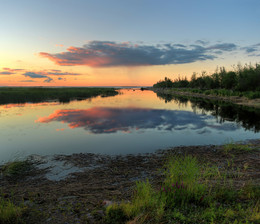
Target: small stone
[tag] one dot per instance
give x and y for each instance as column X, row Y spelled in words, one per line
column 107, row 203
column 28, row 203
column 48, row 220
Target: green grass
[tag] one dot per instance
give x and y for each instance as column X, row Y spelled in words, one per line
column 38, row 94
column 10, row 213
column 190, row 193
column 17, row 169
column 234, row 147
column 221, row 92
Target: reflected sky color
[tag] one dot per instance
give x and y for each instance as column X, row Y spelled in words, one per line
column 132, row 122
column 100, row 120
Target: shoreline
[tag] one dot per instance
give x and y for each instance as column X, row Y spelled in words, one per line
column 102, row 179
column 243, row 101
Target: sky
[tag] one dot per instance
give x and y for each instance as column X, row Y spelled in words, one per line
column 123, row 43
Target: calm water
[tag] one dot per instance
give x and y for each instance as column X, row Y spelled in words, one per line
column 132, row 122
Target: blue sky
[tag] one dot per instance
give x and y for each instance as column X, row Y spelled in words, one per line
column 51, row 26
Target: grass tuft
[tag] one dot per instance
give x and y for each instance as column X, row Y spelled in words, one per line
column 10, row 213
column 17, row 169
column 233, row 147
column 190, row 193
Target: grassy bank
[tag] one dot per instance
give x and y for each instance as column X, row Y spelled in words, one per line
column 38, row 94
column 243, row 81
column 220, row 95
column 192, row 192
column 192, row 184
column 222, row 92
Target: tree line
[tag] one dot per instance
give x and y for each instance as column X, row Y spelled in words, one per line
column 242, row 78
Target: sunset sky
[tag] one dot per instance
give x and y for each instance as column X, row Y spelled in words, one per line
column 123, row 42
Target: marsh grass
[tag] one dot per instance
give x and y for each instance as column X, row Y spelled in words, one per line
column 232, row 147
column 10, row 213
column 17, row 169
column 190, row 193
column 38, row 94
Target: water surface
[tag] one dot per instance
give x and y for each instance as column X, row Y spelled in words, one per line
column 132, row 122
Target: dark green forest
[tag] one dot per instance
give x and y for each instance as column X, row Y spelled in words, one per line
column 241, row 81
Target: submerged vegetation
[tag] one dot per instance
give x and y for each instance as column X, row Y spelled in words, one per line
column 191, row 192
column 242, row 81
column 39, row 94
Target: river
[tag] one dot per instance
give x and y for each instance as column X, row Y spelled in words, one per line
column 132, row 122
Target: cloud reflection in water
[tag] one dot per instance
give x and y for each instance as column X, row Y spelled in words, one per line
column 99, row 120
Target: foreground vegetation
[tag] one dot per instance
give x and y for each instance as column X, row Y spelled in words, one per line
column 38, row 94
column 10, row 213
column 17, row 169
column 191, row 184
column 242, row 81
column 191, row 192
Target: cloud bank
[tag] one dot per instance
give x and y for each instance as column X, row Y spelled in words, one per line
column 110, row 53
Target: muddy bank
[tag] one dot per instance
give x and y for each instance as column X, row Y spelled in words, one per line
column 233, row 99
column 80, row 196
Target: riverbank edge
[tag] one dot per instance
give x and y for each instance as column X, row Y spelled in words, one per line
column 83, row 196
column 20, row 95
column 255, row 103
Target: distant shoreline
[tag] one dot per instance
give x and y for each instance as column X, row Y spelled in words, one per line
column 233, row 99
column 38, row 94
